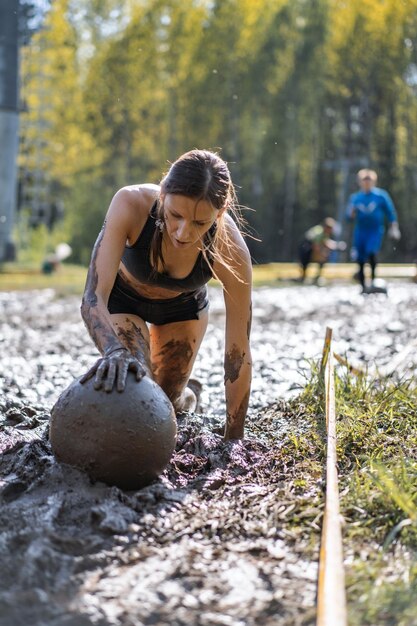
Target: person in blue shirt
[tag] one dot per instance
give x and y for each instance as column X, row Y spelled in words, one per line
column 369, row 209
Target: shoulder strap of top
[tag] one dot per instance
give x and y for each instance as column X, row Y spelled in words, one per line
column 145, row 236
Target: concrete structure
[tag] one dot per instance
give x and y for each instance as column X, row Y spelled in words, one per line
column 9, row 122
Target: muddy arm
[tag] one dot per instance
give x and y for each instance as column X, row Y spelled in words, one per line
column 237, row 287
column 94, row 306
column 101, row 275
column 102, row 271
column 237, row 363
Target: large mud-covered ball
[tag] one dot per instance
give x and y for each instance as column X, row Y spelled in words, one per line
column 121, row 438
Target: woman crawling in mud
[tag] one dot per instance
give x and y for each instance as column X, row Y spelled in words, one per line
column 145, row 303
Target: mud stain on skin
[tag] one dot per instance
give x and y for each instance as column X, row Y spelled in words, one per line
column 101, row 334
column 135, row 341
column 236, row 421
column 126, row 279
column 174, row 357
column 90, row 296
column 249, row 326
column 233, row 362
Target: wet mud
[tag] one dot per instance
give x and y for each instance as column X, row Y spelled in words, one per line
column 207, row 543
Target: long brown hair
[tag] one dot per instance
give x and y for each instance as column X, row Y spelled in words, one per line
column 202, row 175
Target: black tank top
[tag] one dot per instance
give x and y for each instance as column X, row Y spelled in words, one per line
column 136, row 259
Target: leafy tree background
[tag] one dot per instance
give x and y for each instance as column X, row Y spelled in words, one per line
column 297, row 95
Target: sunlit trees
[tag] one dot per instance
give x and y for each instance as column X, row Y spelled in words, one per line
column 296, row 95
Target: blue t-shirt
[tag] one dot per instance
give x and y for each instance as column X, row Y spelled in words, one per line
column 369, row 210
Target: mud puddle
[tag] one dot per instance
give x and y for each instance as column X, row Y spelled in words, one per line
column 208, row 543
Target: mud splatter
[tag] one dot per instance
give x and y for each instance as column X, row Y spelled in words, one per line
column 233, row 363
column 133, row 338
column 99, row 328
column 235, row 422
column 90, row 294
column 249, row 322
column 174, row 357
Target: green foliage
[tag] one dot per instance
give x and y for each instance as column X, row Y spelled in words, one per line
column 376, row 448
column 297, row 96
column 34, row 244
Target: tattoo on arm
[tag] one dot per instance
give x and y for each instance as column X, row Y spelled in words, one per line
column 90, row 295
column 100, row 330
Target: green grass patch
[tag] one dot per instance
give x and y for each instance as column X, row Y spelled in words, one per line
column 68, row 279
column 283, row 274
column 377, row 460
column 71, row 278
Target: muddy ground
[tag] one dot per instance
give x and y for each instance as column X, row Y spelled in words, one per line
column 209, row 543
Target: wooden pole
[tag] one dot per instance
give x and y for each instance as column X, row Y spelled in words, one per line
column 331, row 596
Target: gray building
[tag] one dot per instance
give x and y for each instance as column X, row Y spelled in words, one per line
column 9, row 122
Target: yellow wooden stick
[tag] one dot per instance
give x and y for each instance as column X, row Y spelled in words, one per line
column 331, row 595
column 352, row 369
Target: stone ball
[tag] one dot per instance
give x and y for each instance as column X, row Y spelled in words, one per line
column 121, row 438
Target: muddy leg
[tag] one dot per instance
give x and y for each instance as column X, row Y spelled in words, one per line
column 174, row 348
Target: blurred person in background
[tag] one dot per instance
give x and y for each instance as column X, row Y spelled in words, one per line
column 52, row 261
column 317, row 245
column 369, row 209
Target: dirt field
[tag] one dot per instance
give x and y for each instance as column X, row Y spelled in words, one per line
column 213, row 541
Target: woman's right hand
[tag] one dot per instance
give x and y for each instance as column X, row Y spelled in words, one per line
column 113, row 368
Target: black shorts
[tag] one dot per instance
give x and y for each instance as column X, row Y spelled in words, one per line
column 182, row 308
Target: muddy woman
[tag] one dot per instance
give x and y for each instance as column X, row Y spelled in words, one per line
column 145, row 303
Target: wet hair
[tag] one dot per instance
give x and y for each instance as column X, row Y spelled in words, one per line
column 201, row 175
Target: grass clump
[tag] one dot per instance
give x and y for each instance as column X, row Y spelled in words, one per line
column 377, row 463
column 67, row 280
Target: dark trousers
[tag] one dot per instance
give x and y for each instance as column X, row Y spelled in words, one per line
column 361, row 274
